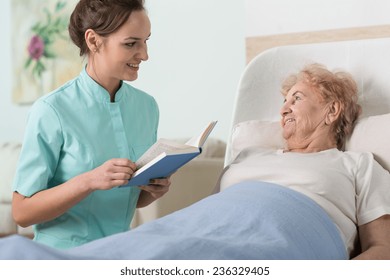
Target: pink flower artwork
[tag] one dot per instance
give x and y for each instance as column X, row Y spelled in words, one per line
column 36, row 47
column 43, row 54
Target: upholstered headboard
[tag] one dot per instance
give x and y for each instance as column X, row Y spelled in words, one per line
column 259, row 100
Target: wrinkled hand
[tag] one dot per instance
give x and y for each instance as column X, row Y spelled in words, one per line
column 114, row 172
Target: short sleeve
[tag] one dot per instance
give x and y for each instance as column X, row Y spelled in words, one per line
column 40, row 150
column 373, row 190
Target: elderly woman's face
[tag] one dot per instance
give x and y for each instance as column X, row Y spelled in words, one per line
column 303, row 115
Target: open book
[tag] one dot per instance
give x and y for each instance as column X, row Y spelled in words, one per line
column 165, row 156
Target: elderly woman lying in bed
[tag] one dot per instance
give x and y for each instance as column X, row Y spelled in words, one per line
column 310, row 200
column 319, row 112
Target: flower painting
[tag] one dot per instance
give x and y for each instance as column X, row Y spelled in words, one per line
column 43, row 55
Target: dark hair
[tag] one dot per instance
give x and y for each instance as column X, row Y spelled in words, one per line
column 102, row 16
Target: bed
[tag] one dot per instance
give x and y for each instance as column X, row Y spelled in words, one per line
column 230, row 224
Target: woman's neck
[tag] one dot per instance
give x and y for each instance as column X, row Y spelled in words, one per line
column 111, row 86
column 311, row 146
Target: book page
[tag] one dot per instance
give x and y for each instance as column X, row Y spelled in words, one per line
column 199, row 140
column 161, row 146
column 168, row 146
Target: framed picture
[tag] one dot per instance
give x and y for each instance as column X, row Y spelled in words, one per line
column 43, row 55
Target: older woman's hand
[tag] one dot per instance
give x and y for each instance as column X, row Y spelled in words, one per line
column 156, row 189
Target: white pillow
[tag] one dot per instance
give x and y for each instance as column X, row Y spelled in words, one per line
column 246, row 134
column 372, row 134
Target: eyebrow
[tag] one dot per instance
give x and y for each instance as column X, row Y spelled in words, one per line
column 298, row 91
column 137, row 38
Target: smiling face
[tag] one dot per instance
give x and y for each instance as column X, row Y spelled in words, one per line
column 303, row 119
column 118, row 56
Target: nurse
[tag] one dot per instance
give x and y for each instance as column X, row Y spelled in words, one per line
column 82, row 139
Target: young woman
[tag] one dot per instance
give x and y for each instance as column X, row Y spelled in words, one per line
column 82, row 139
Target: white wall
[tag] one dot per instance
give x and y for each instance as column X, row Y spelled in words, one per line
column 197, row 53
column 268, row 17
column 196, row 57
column 12, row 118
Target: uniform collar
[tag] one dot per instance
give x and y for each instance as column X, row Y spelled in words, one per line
column 96, row 91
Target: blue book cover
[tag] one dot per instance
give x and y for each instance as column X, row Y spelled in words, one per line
column 164, row 157
column 163, row 166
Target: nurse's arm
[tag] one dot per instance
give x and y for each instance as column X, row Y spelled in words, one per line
column 156, row 189
column 50, row 203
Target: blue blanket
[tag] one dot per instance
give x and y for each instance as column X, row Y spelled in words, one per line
column 250, row 220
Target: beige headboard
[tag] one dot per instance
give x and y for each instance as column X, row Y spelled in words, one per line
column 256, row 45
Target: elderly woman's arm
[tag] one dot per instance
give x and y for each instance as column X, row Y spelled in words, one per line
column 375, row 239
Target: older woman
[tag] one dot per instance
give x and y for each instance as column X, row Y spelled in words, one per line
column 319, row 112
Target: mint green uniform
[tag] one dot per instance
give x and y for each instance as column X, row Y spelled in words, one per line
column 73, row 130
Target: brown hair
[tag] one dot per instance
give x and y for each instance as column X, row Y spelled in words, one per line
column 102, row 16
column 332, row 86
